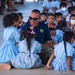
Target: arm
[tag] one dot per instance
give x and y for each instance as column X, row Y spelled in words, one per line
column 69, row 64
column 49, row 43
column 49, row 61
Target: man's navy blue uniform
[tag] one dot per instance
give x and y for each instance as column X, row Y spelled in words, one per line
column 42, row 32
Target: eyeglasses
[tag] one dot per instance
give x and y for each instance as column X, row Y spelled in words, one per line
column 30, row 18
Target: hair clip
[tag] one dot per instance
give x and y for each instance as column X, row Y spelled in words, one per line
column 32, row 32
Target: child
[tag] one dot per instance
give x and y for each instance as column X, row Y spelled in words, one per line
column 45, row 11
column 71, row 10
column 63, row 57
column 52, row 33
column 72, row 22
column 50, row 21
column 43, row 18
column 21, row 23
column 60, row 31
column 63, row 9
column 11, row 37
column 58, row 17
column 72, row 26
column 69, row 4
column 29, row 49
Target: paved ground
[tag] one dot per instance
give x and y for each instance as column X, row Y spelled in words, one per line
column 26, row 9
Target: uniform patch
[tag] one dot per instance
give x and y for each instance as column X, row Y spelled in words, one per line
column 41, row 30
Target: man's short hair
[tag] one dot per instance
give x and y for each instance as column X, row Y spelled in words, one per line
column 36, row 11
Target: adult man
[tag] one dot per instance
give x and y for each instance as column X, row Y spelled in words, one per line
column 41, row 30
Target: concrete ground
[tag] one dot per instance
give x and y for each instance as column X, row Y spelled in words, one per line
column 26, row 9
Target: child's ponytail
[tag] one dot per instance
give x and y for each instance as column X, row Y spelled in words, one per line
column 66, row 38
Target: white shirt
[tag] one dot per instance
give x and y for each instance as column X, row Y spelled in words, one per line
column 47, row 4
column 68, row 18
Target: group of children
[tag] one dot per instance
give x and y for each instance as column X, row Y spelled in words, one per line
column 25, row 53
column 62, row 30
column 61, row 24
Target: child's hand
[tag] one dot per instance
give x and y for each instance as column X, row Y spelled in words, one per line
column 48, row 67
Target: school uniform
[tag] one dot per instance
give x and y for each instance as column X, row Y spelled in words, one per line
column 47, row 4
column 9, row 48
column 59, row 63
column 57, row 4
column 64, row 13
column 59, row 36
column 68, row 18
column 28, row 59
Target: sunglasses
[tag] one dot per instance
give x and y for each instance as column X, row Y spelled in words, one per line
column 30, row 18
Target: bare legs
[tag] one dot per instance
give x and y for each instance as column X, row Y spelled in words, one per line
column 11, row 6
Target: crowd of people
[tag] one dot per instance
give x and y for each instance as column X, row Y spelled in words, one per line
column 10, row 5
column 47, row 38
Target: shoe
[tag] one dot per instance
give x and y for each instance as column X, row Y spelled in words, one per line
column 5, row 67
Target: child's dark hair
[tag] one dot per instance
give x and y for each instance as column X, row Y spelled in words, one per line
column 7, row 20
column 29, row 35
column 14, row 17
column 70, row 9
column 62, row 4
column 58, row 14
column 45, row 11
column 66, row 38
column 68, row 35
column 50, row 29
column 50, row 14
column 72, row 15
column 43, row 14
column 61, row 24
column 20, row 14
